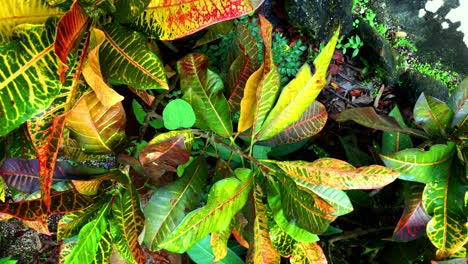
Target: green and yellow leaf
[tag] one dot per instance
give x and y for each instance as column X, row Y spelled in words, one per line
column 308, row 253
column 219, row 245
column 458, row 102
column 433, row 115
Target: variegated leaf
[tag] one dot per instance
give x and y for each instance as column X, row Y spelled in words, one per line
column 433, row 115
column 308, row 253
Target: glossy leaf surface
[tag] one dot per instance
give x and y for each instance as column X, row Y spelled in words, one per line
column 202, row 88
column 335, row 197
column 96, row 127
column 225, row 198
column 433, row 115
column 308, row 253
column 219, row 245
column 169, row 20
column 201, row 252
column 282, row 242
column 420, row 165
column 338, row 174
column 458, row 102
column 395, row 141
column 166, row 208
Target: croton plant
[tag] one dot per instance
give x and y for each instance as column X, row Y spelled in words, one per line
column 205, row 178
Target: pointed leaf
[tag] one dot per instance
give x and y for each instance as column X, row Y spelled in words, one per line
column 3, row 187
column 225, row 199
column 299, row 94
column 169, row 20
column 395, row 141
column 338, row 174
column 337, row 198
column 202, row 88
column 309, row 124
column 28, row 79
column 120, row 244
column 282, row 242
column 308, row 253
column 249, row 100
column 219, row 245
column 129, row 218
column 442, row 199
column 129, row 60
column 433, row 115
column 458, row 102
column 167, row 207
column 420, row 165
column 412, row 223
column 304, row 208
column 263, row 250
column 366, row 116
column 104, row 251
column 70, row 30
column 96, row 127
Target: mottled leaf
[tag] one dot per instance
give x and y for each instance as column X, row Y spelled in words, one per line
column 433, row 115
column 104, row 251
column 338, row 174
column 282, row 242
column 458, row 102
column 219, row 245
column 421, row 165
column 308, row 253
column 395, row 141
column 120, row 244
column 225, row 199
column 337, row 198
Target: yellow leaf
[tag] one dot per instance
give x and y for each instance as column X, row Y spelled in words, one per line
column 249, row 101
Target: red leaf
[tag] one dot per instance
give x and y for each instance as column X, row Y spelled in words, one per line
column 70, row 30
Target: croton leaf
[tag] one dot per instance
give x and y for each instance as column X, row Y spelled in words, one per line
column 248, row 100
column 433, row 115
column 413, row 221
column 129, row 60
column 225, row 199
column 395, row 141
column 309, row 124
column 420, row 165
column 458, row 102
column 187, row 134
column 215, row 32
column 120, row 244
column 366, row 116
column 16, row 12
column 299, row 94
column 282, row 242
column 129, row 218
column 338, row 174
column 86, row 246
column 129, row 10
column 219, row 245
column 167, row 207
column 304, row 208
column 337, row 198
column 442, row 199
column 202, row 88
column 201, row 252
column 308, row 253
column 70, row 31
column 104, row 251
column 3, row 187
column 262, row 250
column 28, row 82
column 169, row 20
column 97, row 128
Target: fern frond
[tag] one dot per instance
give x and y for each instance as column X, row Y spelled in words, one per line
column 15, row 12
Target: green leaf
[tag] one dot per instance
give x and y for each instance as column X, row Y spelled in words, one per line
column 338, row 174
column 178, row 114
column 28, row 75
column 202, row 88
column 168, row 205
column 291, row 229
column 120, row 244
column 140, row 115
column 129, row 60
column 458, row 102
column 88, row 239
column 420, row 165
column 225, row 199
column 299, row 94
column 354, row 155
column 304, row 208
column 443, row 200
column 129, row 10
column 337, row 198
column 283, row 243
column 433, row 115
column 395, row 141
column 104, row 251
column 308, row 253
column 366, row 116
column 201, row 253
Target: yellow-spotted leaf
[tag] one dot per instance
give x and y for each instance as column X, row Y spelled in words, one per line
column 262, row 250
column 129, row 60
column 219, row 245
column 308, row 253
column 421, row 165
column 338, row 174
column 28, row 78
column 298, row 94
column 16, row 12
column 282, row 242
column 203, row 88
column 448, row 228
column 225, row 199
column 97, row 128
column 169, row 20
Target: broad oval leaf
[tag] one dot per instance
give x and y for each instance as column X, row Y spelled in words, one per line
column 433, row 115
column 178, row 114
column 308, row 253
column 395, row 141
column 225, row 199
column 338, row 174
column 167, row 206
column 202, row 88
column 129, row 60
column 201, row 253
column 458, row 102
column 298, row 94
column 96, row 127
column 420, row 165
column 170, row 20
column 28, row 79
